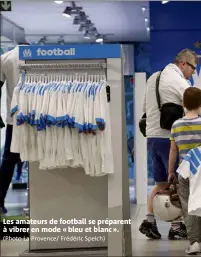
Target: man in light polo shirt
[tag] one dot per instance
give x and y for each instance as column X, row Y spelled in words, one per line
column 173, row 83
column 9, row 74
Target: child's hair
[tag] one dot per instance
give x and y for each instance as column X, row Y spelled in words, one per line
column 192, row 98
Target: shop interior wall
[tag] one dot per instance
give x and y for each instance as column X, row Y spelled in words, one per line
column 141, row 60
column 128, row 70
column 142, row 53
column 175, row 26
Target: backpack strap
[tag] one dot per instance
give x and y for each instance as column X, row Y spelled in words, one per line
column 157, row 89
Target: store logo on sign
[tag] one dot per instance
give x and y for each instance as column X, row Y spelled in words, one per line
column 55, row 52
column 27, row 53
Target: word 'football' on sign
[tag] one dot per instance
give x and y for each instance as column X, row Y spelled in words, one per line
column 5, row 6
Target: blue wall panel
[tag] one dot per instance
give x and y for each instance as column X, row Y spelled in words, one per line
column 128, row 88
column 142, row 58
column 175, row 16
column 174, row 26
column 166, row 44
column 142, row 64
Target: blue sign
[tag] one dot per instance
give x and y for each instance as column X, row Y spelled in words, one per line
column 69, row 52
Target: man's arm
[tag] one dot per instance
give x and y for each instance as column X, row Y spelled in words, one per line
column 144, row 104
column 180, row 87
column 2, row 80
column 2, row 125
column 2, row 75
column 1, row 85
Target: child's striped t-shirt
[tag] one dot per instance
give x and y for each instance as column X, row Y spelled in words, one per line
column 187, row 134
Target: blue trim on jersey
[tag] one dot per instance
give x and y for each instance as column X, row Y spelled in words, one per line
column 14, row 110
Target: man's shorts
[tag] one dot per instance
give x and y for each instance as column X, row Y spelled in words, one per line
column 159, row 149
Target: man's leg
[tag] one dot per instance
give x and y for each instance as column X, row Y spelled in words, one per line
column 148, row 226
column 9, row 161
column 157, row 188
column 159, row 149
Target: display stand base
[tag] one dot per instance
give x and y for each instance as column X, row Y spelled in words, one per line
column 19, row 186
column 102, row 252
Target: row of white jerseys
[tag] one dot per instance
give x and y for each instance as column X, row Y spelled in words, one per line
column 63, row 123
column 190, row 168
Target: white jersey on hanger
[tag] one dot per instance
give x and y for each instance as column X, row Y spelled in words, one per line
column 10, row 73
column 191, row 168
column 63, row 123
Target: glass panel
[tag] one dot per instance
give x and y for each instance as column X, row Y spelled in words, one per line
column 128, row 82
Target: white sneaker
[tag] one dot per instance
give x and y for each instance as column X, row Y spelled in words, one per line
column 193, row 249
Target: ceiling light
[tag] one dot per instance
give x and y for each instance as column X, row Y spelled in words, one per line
column 94, row 30
column 76, row 20
column 83, row 17
column 87, row 35
column 82, row 28
column 67, row 12
column 42, row 41
column 148, row 29
column 89, row 23
column 165, row 2
column 61, row 41
column 146, row 20
column 99, row 39
column 143, row 9
column 58, row 2
column 82, row 14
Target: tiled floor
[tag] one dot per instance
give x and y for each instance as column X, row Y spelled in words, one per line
column 16, row 200
column 141, row 245
column 145, row 247
column 132, row 192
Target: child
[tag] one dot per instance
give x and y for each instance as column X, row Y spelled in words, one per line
column 186, row 135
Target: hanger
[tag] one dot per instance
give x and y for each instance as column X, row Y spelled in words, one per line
column 31, row 78
column 27, row 78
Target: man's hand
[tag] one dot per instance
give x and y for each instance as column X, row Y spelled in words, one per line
column 172, row 179
column 172, row 161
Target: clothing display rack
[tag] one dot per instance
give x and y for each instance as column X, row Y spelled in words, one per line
column 68, row 193
column 68, row 66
